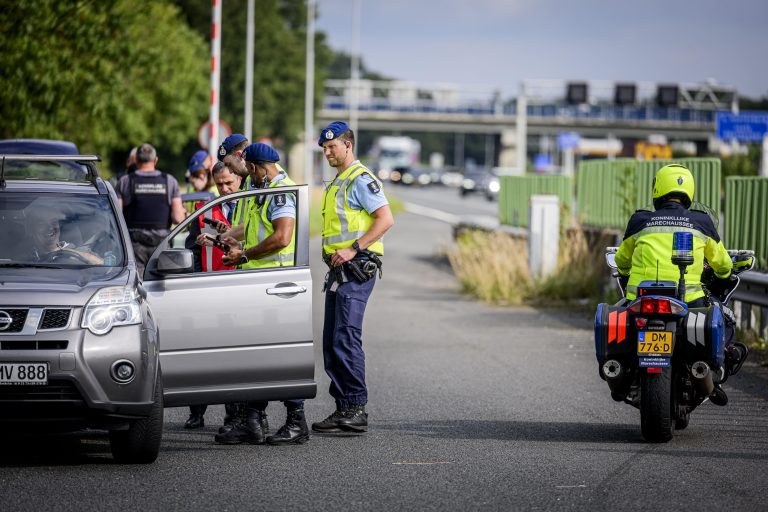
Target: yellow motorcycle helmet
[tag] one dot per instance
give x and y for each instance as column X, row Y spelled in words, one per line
column 673, row 180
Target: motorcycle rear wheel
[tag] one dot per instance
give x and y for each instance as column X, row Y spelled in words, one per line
column 656, row 419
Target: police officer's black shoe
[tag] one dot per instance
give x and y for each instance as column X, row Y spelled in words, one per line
column 249, row 431
column 233, row 414
column 195, row 420
column 331, row 423
column 355, row 420
column 294, row 431
column 718, row 396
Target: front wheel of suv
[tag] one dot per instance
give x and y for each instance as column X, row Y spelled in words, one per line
column 140, row 444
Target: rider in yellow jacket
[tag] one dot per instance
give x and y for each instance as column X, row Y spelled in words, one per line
column 646, row 252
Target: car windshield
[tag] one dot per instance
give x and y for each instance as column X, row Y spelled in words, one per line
column 58, row 230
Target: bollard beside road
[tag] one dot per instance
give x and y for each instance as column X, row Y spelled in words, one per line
column 543, row 234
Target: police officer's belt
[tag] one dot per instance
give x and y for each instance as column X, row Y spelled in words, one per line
column 362, row 268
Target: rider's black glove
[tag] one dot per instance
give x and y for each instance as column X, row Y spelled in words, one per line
column 623, row 281
column 721, row 287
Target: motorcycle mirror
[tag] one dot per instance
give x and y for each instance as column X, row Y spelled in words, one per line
column 610, row 260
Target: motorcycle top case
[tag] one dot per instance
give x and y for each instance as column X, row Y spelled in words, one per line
column 614, row 335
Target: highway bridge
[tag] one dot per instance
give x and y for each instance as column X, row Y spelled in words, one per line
column 542, row 108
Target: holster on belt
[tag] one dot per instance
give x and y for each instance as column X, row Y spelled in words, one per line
column 337, row 273
column 362, row 268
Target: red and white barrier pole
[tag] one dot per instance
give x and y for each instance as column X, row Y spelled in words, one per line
column 213, row 119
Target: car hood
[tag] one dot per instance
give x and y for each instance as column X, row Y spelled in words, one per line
column 60, row 287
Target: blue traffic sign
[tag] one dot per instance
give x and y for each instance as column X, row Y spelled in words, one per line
column 568, row 140
column 744, row 127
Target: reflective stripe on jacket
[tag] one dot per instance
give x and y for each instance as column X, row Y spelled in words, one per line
column 342, row 225
column 647, row 246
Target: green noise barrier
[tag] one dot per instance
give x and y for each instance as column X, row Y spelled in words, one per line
column 746, row 216
column 609, row 191
column 516, row 191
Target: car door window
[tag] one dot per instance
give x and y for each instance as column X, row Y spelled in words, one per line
column 250, row 217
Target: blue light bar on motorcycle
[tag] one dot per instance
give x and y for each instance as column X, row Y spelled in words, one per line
column 682, row 248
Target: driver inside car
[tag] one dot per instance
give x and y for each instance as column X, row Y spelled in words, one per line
column 44, row 230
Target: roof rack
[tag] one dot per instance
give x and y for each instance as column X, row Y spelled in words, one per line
column 91, row 175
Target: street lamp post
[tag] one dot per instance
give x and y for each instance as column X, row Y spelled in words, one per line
column 309, row 95
column 355, row 71
column 249, row 50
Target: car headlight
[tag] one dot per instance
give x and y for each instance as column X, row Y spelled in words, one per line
column 494, row 186
column 110, row 307
column 468, row 183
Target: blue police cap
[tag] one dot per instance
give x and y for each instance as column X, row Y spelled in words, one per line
column 197, row 162
column 229, row 143
column 332, row 131
column 260, row 152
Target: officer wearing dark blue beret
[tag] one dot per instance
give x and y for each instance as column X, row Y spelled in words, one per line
column 356, row 215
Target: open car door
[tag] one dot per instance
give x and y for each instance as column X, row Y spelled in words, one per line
column 233, row 334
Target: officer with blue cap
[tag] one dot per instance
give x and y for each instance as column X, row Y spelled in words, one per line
column 356, row 215
column 269, row 240
column 198, row 173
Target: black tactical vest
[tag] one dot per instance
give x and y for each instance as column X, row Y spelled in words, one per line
column 149, row 207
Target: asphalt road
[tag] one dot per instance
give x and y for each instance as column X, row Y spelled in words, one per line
column 471, row 407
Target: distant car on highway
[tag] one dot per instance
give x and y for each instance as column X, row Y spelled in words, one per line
column 476, row 180
column 417, row 176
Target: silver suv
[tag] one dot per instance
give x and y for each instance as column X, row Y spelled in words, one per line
column 84, row 343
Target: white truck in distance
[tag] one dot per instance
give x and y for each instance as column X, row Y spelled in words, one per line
column 392, row 155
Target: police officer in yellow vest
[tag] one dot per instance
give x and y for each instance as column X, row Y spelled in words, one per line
column 646, row 252
column 356, row 215
column 269, row 240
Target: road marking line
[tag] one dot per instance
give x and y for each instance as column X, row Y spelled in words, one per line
column 580, row 486
column 432, row 213
column 419, row 463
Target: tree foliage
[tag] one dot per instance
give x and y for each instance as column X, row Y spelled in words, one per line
column 279, row 63
column 106, row 74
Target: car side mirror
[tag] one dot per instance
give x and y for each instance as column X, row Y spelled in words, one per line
column 176, row 261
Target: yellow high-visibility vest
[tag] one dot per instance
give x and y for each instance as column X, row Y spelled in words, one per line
column 258, row 227
column 343, row 225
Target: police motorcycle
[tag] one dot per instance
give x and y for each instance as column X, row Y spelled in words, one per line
column 659, row 355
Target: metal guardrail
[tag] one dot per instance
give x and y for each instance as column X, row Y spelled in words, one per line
column 753, row 289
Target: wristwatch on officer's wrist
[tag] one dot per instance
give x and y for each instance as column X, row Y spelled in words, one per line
column 356, row 246
column 243, row 257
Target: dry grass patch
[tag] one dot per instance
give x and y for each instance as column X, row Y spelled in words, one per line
column 494, row 268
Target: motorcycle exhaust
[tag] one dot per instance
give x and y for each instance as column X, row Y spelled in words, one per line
column 702, row 378
column 612, row 369
column 618, row 379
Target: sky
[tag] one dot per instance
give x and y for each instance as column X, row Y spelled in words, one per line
column 496, row 44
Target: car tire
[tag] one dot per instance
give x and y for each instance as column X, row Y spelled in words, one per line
column 140, row 444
